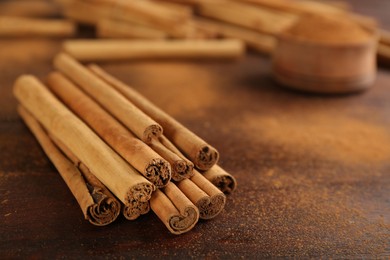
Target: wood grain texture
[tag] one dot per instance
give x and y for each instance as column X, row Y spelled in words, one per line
column 323, row 193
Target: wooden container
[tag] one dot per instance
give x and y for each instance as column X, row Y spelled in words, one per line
column 325, row 67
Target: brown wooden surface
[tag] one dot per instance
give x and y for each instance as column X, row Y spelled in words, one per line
column 313, row 171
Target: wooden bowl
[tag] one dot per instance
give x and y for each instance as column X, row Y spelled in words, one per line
column 325, row 67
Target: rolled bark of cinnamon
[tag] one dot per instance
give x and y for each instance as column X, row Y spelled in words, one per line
column 28, row 8
column 174, row 209
column 99, row 206
column 223, row 180
column 118, row 176
column 255, row 40
column 181, row 167
column 109, row 28
column 203, row 155
column 24, row 27
column 209, row 200
column 249, row 16
column 209, row 206
column 133, row 150
column 128, row 114
column 384, row 37
column 85, row 12
column 114, row 50
column 131, row 211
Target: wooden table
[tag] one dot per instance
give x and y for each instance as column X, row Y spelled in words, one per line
column 313, row 171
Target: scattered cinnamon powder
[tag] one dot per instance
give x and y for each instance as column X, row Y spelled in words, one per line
column 326, row 136
column 335, row 29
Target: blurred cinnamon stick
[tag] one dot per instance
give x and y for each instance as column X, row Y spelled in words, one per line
column 110, row 28
column 24, row 27
column 113, row 50
column 99, row 206
column 261, row 19
column 28, row 8
column 260, row 42
column 223, row 180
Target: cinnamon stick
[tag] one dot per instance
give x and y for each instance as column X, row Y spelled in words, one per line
column 133, row 150
column 255, row 40
column 28, row 8
column 86, row 12
column 149, row 13
column 24, row 27
column 203, row 155
column 130, row 211
column 118, row 176
column 114, row 50
column 129, row 115
column 99, row 206
column 181, row 167
column 209, row 205
column 109, row 28
column 223, row 180
column 174, row 209
column 253, row 17
column 206, row 196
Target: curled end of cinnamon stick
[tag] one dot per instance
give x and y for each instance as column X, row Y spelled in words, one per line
column 207, row 156
column 224, row 181
column 105, row 210
column 135, row 209
column 227, row 184
column 152, row 132
column 158, row 172
column 142, row 192
column 182, row 169
column 180, row 224
column 210, row 207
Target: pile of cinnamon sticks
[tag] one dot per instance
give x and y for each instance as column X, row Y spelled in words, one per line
column 257, row 23
column 118, row 152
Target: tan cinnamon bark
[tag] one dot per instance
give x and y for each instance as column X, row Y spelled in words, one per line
column 133, row 150
column 85, row 12
column 313, row 8
column 114, row 50
column 24, row 27
column 203, row 155
column 110, row 28
column 184, row 10
column 253, row 17
column 117, row 175
column 174, row 209
column 121, row 108
column 131, row 211
column 149, row 13
column 209, row 206
column 257, row 41
column 223, row 180
column 209, row 200
column 99, row 206
column 181, row 167
column 28, row 8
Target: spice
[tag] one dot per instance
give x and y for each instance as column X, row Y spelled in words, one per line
column 99, row 206
column 198, row 151
column 133, row 150
column 328, row 29
column 121, row 179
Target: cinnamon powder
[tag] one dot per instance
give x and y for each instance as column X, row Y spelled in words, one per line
column 325, row 29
